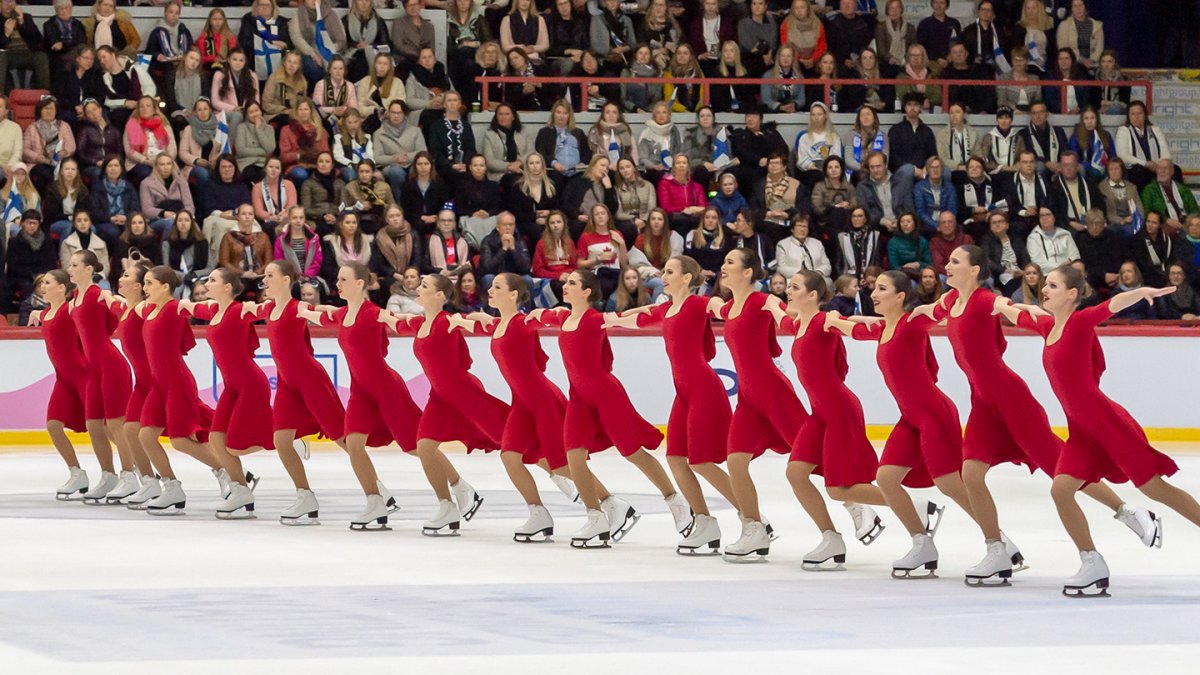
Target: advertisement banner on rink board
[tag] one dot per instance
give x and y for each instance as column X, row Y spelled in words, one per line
column 641, row 364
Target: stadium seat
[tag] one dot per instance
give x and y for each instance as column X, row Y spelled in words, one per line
column 22, row 102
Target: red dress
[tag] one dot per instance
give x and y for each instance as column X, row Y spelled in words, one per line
column 1105, row 442
column 1006, row 423
column 599, row 406
column 459, row 409
column 534, row 426
column 927, row 439
column 173, row 402
column 380, row 406
column 305, row 399
column 129, row 332
column 109, row 382
column 698, row 427
column 768, row 414
column 244, row 408
column 834, row 437
column 66, row 403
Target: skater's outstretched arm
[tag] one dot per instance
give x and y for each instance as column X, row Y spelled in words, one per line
column 1128, row 299
column 1005, row 308
column 774, row 306
column 835, row 321
column 614, row 320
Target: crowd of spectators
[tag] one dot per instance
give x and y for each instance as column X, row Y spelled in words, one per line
column 330, row 138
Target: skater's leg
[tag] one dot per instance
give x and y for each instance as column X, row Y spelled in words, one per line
column 435, row 472
column 290, row 458
column 115, row 428
column 99, row 434
column 140, row 458
column 743, row 485
column 1063, row 491
column 717, row 478
column 689, row 487
column 58, row 436
column 798, row 474
column 952, row 486
column 860, row 493
column 452, row 474
column 364, row 470
column 1104, row 494
column 585, row 481
column 1178, row 500
column 200, row 451
column 890, row 478
column 230, row 462
column 974, row 475
column 653, row 470
column 158, row 455
column 521, row 478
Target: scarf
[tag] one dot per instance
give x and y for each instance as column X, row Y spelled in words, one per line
column 994, row 54
column 34, row 240
column 1076, row 211
column 335, row 95
column 776, row 194
column 1142, row 140
column 398, row 252
column 616, row 28
column 804, row 33
column 273, row 205
column 1173, row 200
column 364, row 31
column 104, row 31
column 246, row 239
column 1037, row 144
column 896, row 48
column 977, row 194
column 65, row 29
column 210, row 44
column 857, row 143
column 659, row 136
column 1159, row 249
column 1184, row 298
column 187, row 90
column 49, row 133
column 1004, row 147
column 924, row 74
column 203, row 131
column 509, row 135
column 858, row 248
column 85, row 239
column 1039, row 191
column 454, row 133
column 960, row 148
column 115, row 191
column 434, row 80
column 306, row 135
column 326, row 181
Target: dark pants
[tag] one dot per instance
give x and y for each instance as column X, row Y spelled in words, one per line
column 35, row 61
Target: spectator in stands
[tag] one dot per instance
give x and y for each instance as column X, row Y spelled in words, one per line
column 1102, row 250
column 137, row 243
column 611, row 34
column 321, row 194
column 636, row 197
column 921, row 72
column 753, row 142
column 64, row 33
column 168, row 41
column 802, row 28
column 611, row 135
column 975, row 196
column 424, row 194
column 301, row 141
column 505, row 144
column 655, row 245
column 911, row 141
column 368, row 196
column 1044, row 140
column 185, row 250
column 936, row 32
column 96, row 140
column 366, row 33
column 864, row 138
column 1000, row 149
column 346, row 245
column 583, row 192
column 411, row 35
column 1071, row 195
column 334, row 94
column 273, row 195
column 845, row 295
column 728, row 199
column 638, row 96
column 396, row 250
column 849, row 32
column 879, row 97
column 779, row 196
column 681, row 197
column 660, row 32
column 1025, row 194
column 62, row 197
column 21, row 46
column 427, row 86
column 832, row 198
column 528, row 95
column 113, row 200
column 708, row 243
column 1131, row 279
column 884, row 195
column 284, row 90
column 955, row 142
column 1083, row 35
column 602, row 249
column 1192, row 237
column 746, row 231
column 568, row 31
column 815, row 144
column 563, row 144
column 199, row 149
column 217, row 41
column 503, row 250
column 525, row 29
column 47, row 142
column 1114, row 99
column 1142, row 146
column 117, row 90
column 234, row 86
column 1092, row 144
column 976, row 99
column 701, row 147
column 555, row 255
column 827, row 70
column 907, row 249
column 1183, row 304
column 731, row 97
column 894, row 35
column 707, row 33
column 533, row 197
column 77, row 81
column 801, row 252
column 783, row 98
column 683, row 97
column 84, row 238
column 1077, row 98
column 477, row 201
column 1170, row 198
column 226, row 192
column 1006, row 256
column 185, row 88
column 467, row 28
column 255, row 142
column 631, row 292
column 933, row 197
column 245, row 248
column 1120, row 196
column 403, row 299
column 351, row 144
column 986, row 41
column 1155, row 247
column 377, row 91
column 588, row 69
column 489, row 62
column 945, row 240
column 1050, row 246
column 858, row 247
column 758, row 38
column 147, row 135
column 469, row 295
column 1021, row 89
column 1031, row 33
column 266, row 36
column 929, row 287
column 449, row 254
column 29, row 253
column 1029, row 292
column 112, row 28
column 396, row 143
column 164, row 194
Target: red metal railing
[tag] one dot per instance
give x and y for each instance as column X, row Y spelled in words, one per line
column 829, row 84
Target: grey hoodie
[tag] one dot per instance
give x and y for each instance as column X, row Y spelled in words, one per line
column 392, row 140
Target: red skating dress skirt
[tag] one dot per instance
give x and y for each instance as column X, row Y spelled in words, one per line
column 129, row 332
column 834, row 437
column 1105, row 442
column 66, row 403
column 1006, row 424
column 698, row 427
column 380, row 405
column 305, row 399
column 768, row 414
column 459, row 408
column 928, row 438
column 109, row 382
column 174, row 401
column 599, row 406
column 244, row 408
column 534, row 426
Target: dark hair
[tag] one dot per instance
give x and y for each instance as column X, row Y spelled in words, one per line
column 1074, row 280
column 814, row 282
column 237, row 173
column 689, row 265
column 370, row 163
column 903, row 284
column 412, row 171
column 230, row 276
column 777, row 155
column 825, row 165
column 109, row 159
column 31, row 214
column 60, row 275
column 362, row 273
column 286, row 268
column 588, row 281
column 752, row 262
column 245, row 85
column 41, row 105
column 165, row 275
column 976, row 258
column 1067, row 153
column 913, row 97
column 195, row 233
column 516, row 283
column 516, row 122
column 446, row 287
column 89, row 259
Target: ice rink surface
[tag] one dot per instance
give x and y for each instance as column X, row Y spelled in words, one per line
column 96, row 590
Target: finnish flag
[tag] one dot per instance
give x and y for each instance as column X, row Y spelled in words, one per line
column 721, row 152
column 221, row 137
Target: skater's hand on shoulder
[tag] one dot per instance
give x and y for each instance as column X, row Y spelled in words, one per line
column 249, row 308
column 831, row 318
column 535, row 316
column 921, row 311
column 35, row 319
column 1000, row 303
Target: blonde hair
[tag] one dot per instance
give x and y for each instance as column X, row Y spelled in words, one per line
column 698, row 233
column 560, row 103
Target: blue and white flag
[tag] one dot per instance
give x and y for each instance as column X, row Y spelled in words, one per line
column 324, row 43
column 665, row 157
column 359, row 151
column 1035, row 55
column 56, row 158
column 1139, row 221
column 614, row 147
column 266, row 56
column 143, row 60
column 722, row 155
column 221, row 136
column 12, row 211
column 1001, row 61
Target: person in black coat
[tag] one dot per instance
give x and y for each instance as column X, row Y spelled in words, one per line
column 476, row 196
column 245, row 38
column 63, row 33
column 22, row 48
column 1066, row 213
column 1066, row 67
column 30, row 252
column 451, row 140
column 911, row 142
column 753, row 142
column 976, row 99
column 1102, row 251
column 992, row 244
column 503, row 250
column 421, row 206
column 1154, row 249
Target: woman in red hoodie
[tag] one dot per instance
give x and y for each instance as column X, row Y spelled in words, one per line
column 681, row 197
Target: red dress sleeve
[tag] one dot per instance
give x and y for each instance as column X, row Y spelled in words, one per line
column 1094, row 316
column 654, row 317
column 865, row 332
column 204, row 311
column 787, row 326
column 488, row 328
column 409, row 328
column 554, row 319
column 337, row 318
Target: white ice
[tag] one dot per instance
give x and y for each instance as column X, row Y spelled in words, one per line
column 99, row 590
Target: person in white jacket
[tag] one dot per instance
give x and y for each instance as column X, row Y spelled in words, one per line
column 11, row 140
column 815, row 144
column 799, row 252
column 1050, row 246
